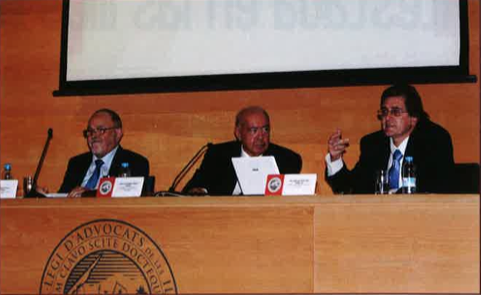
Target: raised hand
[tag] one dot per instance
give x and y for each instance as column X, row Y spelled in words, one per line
column 337, row 145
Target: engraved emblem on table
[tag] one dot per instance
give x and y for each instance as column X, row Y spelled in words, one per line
column 107, row 257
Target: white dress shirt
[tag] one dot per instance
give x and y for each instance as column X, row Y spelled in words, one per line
column 402, row 149
column 335, row 166
column 104, row 170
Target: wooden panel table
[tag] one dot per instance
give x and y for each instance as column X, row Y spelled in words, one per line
column 318, row 244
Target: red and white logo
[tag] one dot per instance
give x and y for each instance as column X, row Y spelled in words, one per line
column 274, row 185
column 106, row 186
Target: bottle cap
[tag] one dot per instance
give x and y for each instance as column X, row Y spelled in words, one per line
column 125, row 165
column 7, row 166
column 409, row 159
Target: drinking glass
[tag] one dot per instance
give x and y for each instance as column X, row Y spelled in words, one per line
column 27, row 184
column 382, row 183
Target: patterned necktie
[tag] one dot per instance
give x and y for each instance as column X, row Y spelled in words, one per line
column 394, row 170
column 92, row 182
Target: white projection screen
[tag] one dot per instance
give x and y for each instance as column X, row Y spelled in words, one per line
column 118, row 46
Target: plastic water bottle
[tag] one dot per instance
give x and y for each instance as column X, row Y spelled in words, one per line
column 124, row 170
column 7, row 171
column 408, row 176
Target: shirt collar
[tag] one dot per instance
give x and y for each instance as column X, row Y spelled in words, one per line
column 401, row 147
column 246, row 155
column 108, row 158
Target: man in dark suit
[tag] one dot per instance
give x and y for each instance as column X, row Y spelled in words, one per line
column 406, row 131
column 216, row 175
column 103, row 134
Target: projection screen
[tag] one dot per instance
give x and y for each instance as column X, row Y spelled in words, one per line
column 176, row 45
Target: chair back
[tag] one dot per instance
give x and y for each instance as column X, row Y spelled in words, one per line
column 149, row 186
column 466, row 178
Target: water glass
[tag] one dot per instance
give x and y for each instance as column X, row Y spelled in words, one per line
column 27, row 184
column 382, row 183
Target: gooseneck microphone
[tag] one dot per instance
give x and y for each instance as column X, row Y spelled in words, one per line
column 183, row 172
column 33, row 193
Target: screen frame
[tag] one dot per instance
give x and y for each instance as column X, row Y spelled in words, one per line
column 278, row 80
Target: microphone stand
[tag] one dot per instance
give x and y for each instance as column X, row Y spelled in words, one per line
column 33, row 193
column 183, row 172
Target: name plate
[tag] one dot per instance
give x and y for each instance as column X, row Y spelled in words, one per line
column 120, row 187
column 8, row 189
column 291, row 184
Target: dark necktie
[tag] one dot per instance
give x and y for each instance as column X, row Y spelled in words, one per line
column 394, row 170
column 92, row 182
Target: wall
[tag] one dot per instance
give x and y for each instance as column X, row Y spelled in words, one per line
column 169, row 128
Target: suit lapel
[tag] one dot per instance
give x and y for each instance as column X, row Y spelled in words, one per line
column 229, row 177
column 83, row 168
column 410, row 148
column 116, row 161
column 236, row 152
column 386, row 153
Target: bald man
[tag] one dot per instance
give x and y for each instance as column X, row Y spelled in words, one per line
column 216, row 175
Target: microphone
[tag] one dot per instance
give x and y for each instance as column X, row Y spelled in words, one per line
column 33, row 193
column 183, row 172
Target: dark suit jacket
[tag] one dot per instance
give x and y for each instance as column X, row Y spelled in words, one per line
column 78, row 166
column 430, row 146
column 217, row 174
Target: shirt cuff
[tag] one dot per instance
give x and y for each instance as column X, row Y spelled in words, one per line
column 333, row 167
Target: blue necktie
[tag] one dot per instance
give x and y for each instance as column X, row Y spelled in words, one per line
column 92, row 182
column 394, row 170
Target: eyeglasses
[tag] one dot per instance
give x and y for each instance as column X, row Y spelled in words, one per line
column 89, row 131
column 395, row 112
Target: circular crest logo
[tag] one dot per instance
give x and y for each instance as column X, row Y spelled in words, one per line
column 106, row 187
column 274, row 184
column 107, row 257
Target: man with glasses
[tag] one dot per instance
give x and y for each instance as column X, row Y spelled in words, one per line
column 406, row 131
column 103, row 135
column 216, row 175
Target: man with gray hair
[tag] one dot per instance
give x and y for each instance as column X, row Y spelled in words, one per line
column 103, row 135
column 216, row 175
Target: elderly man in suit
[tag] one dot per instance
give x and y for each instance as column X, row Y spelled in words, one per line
column 406, row 130
column 216, row 175
column 103, row 135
